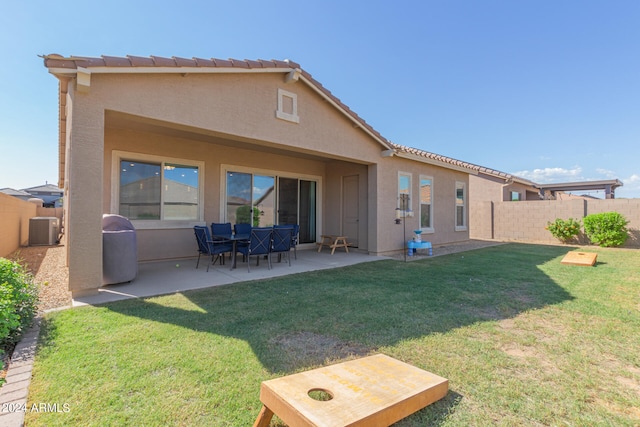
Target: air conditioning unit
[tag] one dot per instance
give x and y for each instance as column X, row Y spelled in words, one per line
column 43, row 230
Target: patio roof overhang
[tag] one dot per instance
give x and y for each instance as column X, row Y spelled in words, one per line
column 608, row 186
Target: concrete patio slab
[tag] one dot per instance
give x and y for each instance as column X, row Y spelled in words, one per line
column 166, row 277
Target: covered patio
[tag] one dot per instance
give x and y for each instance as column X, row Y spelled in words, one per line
column 165, row 277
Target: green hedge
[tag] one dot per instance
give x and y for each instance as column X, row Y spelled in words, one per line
column 18, row 302
column 606, row 229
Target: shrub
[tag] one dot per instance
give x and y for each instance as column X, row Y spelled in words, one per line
column 606, row 229
column 564, row 230
column 18, row 301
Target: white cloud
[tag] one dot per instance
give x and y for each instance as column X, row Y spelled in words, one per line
column 548, row 175
column 608, row 173
column 633, row 179
column 631, row 187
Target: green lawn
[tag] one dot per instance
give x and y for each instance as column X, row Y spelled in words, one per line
column 523, row 340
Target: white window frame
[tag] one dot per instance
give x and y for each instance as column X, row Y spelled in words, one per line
column 431, row 228
column 409, row 211
column 280, row 113
column 117, row 156
column 463, row 185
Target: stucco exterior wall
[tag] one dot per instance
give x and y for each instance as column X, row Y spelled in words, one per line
column 390, row 235
column 240, row 107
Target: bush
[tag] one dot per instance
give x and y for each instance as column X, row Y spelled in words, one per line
column 564, row 230
column 606, row 229
column 18, row 302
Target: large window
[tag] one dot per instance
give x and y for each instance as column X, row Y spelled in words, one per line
column 152, row 189
column 426, row 202
column 461, row 206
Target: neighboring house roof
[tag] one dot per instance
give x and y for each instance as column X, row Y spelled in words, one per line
column 14, row 192
column 47, row 188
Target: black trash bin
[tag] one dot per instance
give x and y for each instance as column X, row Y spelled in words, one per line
column 119, row 250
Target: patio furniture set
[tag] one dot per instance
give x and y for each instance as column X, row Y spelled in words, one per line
column 250, row 241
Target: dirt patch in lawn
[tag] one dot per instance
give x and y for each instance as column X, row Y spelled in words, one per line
column 304, row 349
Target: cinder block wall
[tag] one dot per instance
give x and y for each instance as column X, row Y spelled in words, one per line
column 525, row 221
column 14, row 223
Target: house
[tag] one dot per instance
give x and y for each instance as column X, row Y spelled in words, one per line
column 20, row 194
column 50, row 194
column 174, row 142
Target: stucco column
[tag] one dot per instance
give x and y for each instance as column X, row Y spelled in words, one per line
column 84, row 166
column 373, row 203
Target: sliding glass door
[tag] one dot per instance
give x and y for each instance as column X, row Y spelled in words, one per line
column 264, row 200
column 250, row 199
column 297, row 205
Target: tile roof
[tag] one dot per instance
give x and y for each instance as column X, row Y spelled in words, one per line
column 73, row 62
column 55, row 61
column 459, row 163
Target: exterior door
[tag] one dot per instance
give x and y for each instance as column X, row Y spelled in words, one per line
column 350, row 208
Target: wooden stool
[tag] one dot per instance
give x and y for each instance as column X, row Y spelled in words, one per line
column 333, row 242
column 374, row 391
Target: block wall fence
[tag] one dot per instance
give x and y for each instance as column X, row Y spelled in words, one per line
column 525, row 221
column 14, row 221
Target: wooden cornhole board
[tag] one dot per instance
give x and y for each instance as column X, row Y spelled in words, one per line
column 372, row 391
column 580, row 258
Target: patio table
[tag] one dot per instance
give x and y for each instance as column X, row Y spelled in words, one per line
column 235, row 238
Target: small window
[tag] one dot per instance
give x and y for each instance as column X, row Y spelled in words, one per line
column 404, row 194
column 515, row 196
column 287, row 106
column 461, row 207
column 426, row 202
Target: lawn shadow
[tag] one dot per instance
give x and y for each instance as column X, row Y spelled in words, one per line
column 316, row 317
column 305, row 320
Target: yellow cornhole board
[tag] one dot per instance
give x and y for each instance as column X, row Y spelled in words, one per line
column 580, row 258
column 373, row 391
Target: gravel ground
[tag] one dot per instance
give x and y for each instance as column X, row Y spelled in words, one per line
column 47, row 264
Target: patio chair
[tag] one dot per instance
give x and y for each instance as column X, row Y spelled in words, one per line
column 295, row 236
column 282, row 242
column 221, row 229
column 259, row 245
column 216, row 247
column 242, row 228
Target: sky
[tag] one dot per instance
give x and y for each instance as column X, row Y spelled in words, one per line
column 548, row 90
